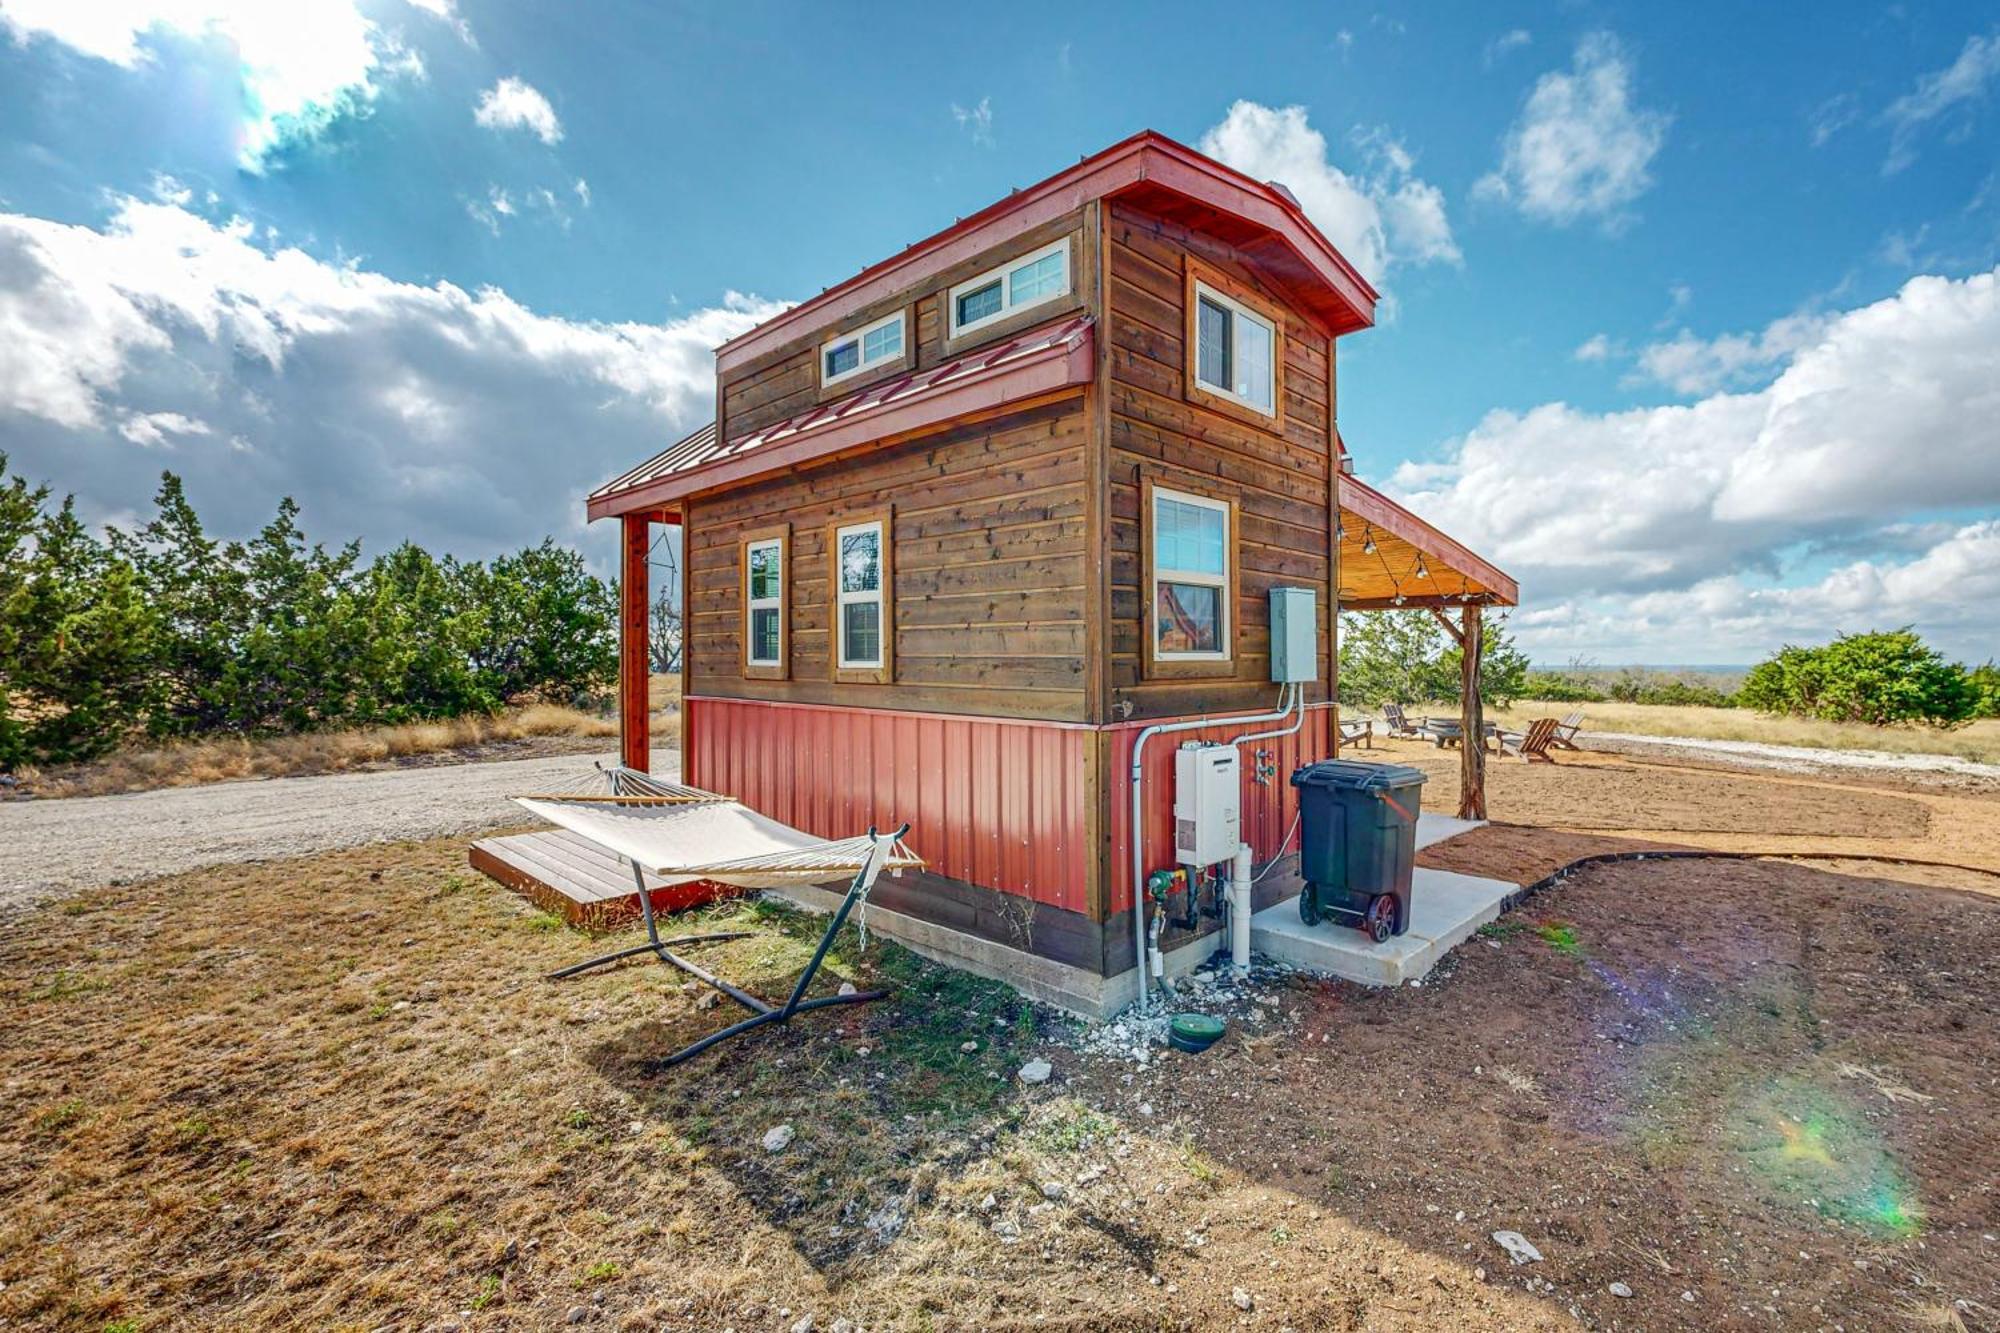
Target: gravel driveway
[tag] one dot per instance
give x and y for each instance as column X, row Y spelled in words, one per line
column 52, row 848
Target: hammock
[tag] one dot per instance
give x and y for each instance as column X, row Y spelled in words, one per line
column 682, row 834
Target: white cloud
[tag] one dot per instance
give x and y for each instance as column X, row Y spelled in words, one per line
column 582, row 188
column 1511, row 40
column 976, row 120
column 1598, row 347
column 446, row 11
column 462, row 419
column 1580, row 148
column 1378, row 220
column 512, row 104
column 1938, row 92
column 296, row 68
column 1884, row 413
column 1946, row 590
column 1691, row 365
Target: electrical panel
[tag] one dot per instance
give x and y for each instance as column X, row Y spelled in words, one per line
column 1294, row 635
column 1208, row 804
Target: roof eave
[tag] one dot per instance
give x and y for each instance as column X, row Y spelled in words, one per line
column 1145, row 157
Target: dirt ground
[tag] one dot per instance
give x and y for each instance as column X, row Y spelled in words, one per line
column 1627, row 797
column 332, row 1093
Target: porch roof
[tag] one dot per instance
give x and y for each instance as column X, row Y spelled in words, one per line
column 1044, row 362
column 1390, row 558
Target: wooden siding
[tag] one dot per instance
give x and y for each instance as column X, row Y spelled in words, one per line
column 990, row 565
column 996, row 803
column 1278, row 478
column 786, row 381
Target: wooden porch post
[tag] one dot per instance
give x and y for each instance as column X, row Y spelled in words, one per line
column 634, row 644
column 1472, row 743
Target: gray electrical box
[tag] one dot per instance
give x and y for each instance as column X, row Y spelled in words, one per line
column 1294, row 635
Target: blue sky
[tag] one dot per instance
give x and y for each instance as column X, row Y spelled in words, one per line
column 1656, row 276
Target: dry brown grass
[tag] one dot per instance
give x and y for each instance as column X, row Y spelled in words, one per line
column 193, row 763
column 337, row 1095
column 1979, row 742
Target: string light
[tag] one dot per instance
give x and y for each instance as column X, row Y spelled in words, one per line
column 1423, row 570
column 1368, row 541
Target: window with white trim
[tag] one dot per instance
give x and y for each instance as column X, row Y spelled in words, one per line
column 1190, row 578
column 859, row 631
column 764, row 602
column 1030, row 280
column 864, row 349
column 1235, row 351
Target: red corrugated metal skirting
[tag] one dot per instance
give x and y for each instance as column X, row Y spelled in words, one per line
column 991, row 801
column 998, row 802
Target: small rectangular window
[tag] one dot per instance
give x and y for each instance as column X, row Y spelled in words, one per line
column 859, row 562
column 1235, row 355
column 979, row 304
column 764, row 605
column 1020, row 284
column 864, row 349
column 1190, row 561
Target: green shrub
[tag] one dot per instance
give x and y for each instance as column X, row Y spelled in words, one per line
column 168, row 632
column 1880, row 679
column 1560, row 687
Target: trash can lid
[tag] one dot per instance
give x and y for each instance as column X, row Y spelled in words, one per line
column 1357, row 776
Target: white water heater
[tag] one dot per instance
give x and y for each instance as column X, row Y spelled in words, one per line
column 1208, row 803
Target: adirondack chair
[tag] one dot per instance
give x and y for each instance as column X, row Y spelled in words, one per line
column 1565, row 737
column 1358, row 729
column 1532, row 744
column 1398, row 724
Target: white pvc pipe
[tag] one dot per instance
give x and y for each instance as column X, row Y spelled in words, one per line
column 1138, row 822
column 1239, row 910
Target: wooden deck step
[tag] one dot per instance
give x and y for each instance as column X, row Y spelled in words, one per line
column 574, row 878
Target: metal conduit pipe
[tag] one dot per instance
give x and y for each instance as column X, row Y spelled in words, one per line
column 1139, row 814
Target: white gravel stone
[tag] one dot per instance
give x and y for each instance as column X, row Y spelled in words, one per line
column 1036, row 1071
column 778, row 1138
column 1620, row 1290
column 1517, row 1247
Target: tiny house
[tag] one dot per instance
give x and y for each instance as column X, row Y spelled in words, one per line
column 970, row 521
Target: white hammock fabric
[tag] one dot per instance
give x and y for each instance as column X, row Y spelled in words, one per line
column 682, row 834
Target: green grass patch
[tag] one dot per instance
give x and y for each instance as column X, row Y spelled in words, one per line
column 1560, row 936
column 1071, row 1128
column 67, row 985
column 54, row 1120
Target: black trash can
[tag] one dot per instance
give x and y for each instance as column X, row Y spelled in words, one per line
column 1358, row 843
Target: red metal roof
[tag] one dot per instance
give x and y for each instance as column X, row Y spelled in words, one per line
column 1148, row 161
column 1040, row 361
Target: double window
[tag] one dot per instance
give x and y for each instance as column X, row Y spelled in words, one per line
column 1236, row 351
column 764, row 582
column 864, row 625
column 1190, row 577
column 1017, row 285
column 866, row 348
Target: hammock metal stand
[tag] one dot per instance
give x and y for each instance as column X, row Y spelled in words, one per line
column 636, row 788
column 762, row 1011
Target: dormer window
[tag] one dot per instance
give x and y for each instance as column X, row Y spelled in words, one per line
column 1019, row 284
column 866, row 348
column 1235, row 354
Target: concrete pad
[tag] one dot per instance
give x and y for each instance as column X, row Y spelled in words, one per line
column 1436, row 828
column 1445, row 909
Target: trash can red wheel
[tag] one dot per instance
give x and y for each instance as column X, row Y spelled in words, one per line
column 1309, row 905
column 1380, row 923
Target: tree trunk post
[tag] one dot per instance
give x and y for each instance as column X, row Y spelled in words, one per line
column 1472, row 741
column 634, row 645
